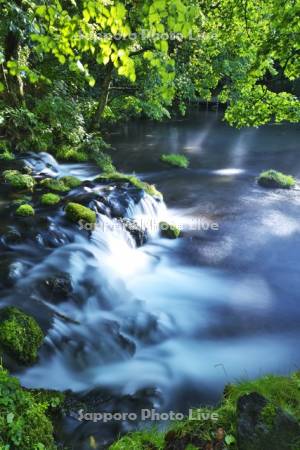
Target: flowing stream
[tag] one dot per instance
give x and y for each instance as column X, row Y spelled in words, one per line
column 173, row 321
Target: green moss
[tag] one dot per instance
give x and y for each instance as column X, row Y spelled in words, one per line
column 268, row 414
column 104, row 162
column 76, row 212
column 140, row 440
column 282, row 392
column 274, row 179
column 55, row 184
column 19, row 181
column 24, row 424
column 175, row 160
column 71, row 155
column 25, row 210
column 71, row 182
column 50, row 199
column 169, row 231
column 6, row 155
column 120, row 177
column 20, row 335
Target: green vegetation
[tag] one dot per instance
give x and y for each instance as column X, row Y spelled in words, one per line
column 71, row 182
column 274, row 179
column 20, row 335
column 50, row 199
column 169, row 231
column 84, row 84
column 55, row 184
column 122, row 178
column 71, row 155
column 24, row 424
column 282, row 392
column 19, row 181
column 6, row 155
column 76, row 212
column 25, row 210
column 175, row 160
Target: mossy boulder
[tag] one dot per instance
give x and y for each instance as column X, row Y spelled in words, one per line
column 76, row 212
column 261, row 414
column 169, row 231
column 24, row 423
column 20, row 335
column 133, row 180
column 175, row 160
column 71, row 182
column 55, row 185
column 50, row 199
column 19, row 181
column 25, row 210
column 274, row 179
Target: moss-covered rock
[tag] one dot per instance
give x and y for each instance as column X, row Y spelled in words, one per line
column 71, row 182
column 50, row 199
column 55, row 185
column 249, row 417
column 24, row 424
column 175, row 160
column 274, row 179
column 19, row 181
column 25, row 210
column 122, row 178
column 169, row 231
column 20, row 335
column 76, row 212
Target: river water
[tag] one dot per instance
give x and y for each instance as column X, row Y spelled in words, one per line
column 175, row 321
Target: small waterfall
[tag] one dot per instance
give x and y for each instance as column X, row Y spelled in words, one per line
column 95, row 325
column 42, row 164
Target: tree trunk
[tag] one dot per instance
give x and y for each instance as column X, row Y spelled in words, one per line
column 103, row 96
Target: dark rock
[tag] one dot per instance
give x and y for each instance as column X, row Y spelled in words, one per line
column 261, row 425
column 139, row 234
column 11, row 237
column 58, row 287
column 10, row 271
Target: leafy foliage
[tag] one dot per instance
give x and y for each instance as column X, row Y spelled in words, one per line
column 24, row 424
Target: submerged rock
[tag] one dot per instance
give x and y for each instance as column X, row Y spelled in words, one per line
column 57, row 287
column 138, row 233
column 262, row 425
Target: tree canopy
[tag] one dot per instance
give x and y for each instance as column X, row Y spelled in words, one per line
column 106, row 60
